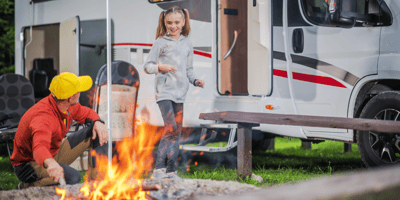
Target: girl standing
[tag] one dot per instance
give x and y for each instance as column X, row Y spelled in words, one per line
column 171, row 60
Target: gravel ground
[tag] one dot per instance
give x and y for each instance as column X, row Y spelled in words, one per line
column 189, row 188
column 171, row 189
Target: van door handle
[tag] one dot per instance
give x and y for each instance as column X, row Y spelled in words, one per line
column 298, row 40
column 233, row 46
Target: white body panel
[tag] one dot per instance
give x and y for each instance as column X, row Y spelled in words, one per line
column 355, row 51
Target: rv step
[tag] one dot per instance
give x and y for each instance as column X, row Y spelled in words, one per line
column 200, row 147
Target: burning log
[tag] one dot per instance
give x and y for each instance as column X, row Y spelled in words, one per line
column 151, row 187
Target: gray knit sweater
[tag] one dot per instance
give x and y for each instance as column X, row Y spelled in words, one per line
column 178, row 53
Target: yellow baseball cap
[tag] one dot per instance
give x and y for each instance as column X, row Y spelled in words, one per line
column 67, row 84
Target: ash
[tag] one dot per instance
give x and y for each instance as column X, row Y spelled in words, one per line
column 171, row 189
column 189, row 188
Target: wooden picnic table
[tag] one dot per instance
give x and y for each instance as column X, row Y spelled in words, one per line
column 247, row 120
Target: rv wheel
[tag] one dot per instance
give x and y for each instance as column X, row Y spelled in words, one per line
column 262, row 141
column 378, row 148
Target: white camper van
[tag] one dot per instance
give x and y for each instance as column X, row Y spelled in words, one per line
column 336, row 58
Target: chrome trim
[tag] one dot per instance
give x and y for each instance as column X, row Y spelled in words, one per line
column 233, row 46
column 377, row 139
column 204, row 49
column 386, row 150
column 397, row 143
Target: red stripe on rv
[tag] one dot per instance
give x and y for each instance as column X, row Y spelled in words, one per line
column 280, row 73
column 310, row 78
column 208, row 55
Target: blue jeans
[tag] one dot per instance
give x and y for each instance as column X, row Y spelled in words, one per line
column 168, row 149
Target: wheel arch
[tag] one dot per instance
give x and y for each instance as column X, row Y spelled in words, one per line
column 367, row 91
column 372, row 88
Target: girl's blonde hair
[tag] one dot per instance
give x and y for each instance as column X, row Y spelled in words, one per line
column 162, row 30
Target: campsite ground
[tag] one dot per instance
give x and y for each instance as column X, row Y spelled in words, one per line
column 287, row 164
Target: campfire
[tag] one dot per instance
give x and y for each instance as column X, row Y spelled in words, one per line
column 123, row 179
column 126, row 179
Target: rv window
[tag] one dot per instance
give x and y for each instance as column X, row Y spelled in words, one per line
column 364, row 12
column 316, row 11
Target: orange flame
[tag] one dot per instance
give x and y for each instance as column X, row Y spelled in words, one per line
column 134, row 160
column 61, row 192
column 122, row 179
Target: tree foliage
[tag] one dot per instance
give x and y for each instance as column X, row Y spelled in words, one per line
column 7, row 32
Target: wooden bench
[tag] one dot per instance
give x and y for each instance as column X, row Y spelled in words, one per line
column 246, row 120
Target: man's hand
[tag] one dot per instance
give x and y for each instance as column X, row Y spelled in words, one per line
column 54, row 169
column 199, row 83
column 100, row 130
column 166, row 68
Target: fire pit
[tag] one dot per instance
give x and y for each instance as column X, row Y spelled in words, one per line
column 170, row 189
column 123, row 179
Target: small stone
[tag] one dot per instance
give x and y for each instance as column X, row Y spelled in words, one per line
column 257, row 178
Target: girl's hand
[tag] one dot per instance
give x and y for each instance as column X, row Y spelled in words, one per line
column 166, row 68
column 199, row 83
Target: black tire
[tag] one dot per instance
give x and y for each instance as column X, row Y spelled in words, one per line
column 377, row 148
column 262, row 141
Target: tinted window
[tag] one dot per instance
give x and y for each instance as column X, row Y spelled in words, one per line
column 294, row 15
column 317, row 11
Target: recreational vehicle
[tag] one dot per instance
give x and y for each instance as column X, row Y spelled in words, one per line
column 337, row 58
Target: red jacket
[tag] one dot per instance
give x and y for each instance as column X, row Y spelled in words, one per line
column 42, row 128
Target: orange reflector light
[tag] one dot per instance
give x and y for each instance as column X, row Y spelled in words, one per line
column 269, row 107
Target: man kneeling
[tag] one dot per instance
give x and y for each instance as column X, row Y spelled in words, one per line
column 41, row 156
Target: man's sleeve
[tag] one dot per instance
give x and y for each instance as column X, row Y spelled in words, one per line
column 81, row 113
column 41, row 140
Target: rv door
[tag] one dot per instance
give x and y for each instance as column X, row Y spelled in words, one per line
column 69, row 46
column 259, row 44
column 245, row 64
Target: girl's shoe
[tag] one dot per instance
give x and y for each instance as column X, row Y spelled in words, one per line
column 173, row 176
column 158, row 174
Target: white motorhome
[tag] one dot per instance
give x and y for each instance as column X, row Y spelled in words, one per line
column 334, row 58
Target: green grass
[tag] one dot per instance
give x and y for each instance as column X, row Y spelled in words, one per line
column 289, row 163
column 8, row 179
column 214, row 144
